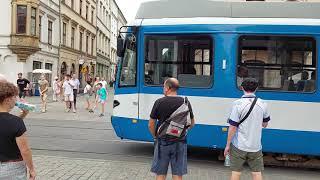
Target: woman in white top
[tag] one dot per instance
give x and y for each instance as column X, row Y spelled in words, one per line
column 87, row 94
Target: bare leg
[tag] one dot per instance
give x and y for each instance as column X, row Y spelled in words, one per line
column 235, row 175
column 160, row 177
column 72, row 107
column 174, row 177
column 256, row 175
column 67, row 105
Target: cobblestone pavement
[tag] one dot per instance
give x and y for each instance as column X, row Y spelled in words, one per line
column 54, row 168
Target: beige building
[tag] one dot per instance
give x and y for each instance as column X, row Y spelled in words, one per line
column 78, row 38
column 19, row 36
column 103, row 39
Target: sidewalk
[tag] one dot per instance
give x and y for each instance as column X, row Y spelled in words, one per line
column 56, row 110
column 62, row 168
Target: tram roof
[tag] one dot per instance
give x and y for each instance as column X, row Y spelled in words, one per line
column 209, row 8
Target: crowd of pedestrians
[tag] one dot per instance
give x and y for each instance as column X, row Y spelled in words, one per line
column 171, row 118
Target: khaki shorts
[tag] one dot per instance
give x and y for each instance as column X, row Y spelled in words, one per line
column 238, row 158
column 68, row 97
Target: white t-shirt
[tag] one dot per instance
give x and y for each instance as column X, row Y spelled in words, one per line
column 67, row 87
column 75, row 82
column 87, row 89
column 248, row 135
column 104, row 83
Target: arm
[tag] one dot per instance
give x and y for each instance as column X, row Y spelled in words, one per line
column 152, row 127
column 231, row 132
column 25, row 150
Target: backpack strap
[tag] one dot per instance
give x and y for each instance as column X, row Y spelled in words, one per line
column 250, row 110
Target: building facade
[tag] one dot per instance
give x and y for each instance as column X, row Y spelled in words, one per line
column 78, row 39
column 19, row 37
column 103, row 39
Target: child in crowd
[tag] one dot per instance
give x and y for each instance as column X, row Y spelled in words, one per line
column 101, row 98
column 87, row 94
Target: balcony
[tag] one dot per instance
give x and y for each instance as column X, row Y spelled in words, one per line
column 24, row 46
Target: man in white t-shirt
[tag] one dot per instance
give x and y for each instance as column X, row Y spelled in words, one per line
column 68, row 93
column 248, row 116
column 76, row 89
column 104, row 83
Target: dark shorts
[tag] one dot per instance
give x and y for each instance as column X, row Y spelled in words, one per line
column 238, row 158
column 22, row 94
column 173, row 153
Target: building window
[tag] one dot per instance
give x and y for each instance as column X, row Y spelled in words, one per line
column 33, row 25
column 21, row 19
column 50, row 32
column 72, row 37
column 40, row 24
column 279, row 63
column 92, row 44
column 64, row 34
column 80, row 43
column 48, row 66
column 72, row 4
column 87, row 43
column 36, row 65
column 80, row 11
column 87, row 9
column 187, row 58
column 92, row 15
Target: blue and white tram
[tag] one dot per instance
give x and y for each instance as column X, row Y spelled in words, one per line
column 210, row 55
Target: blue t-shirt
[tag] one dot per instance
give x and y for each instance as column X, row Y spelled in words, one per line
column 102, row 93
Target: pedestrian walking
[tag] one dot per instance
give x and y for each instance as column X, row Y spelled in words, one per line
column 248, row 116
column 87, row 94
column 101, row 98
column 68, row 93
column 76, row 89
column 15, row 153
column 170, row 119
column 23, row 85
column 56, row 89
column 43, row 89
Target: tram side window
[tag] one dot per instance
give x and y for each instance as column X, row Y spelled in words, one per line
column 279, row 63
column 128, row 66
column 187, row 58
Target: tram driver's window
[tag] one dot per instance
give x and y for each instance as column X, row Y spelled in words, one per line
column 128, row 66
column 187, row 58
column 279, row 63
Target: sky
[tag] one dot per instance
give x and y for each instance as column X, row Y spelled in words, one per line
column 129, row 8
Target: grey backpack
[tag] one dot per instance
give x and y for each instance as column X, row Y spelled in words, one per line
column 175, row 127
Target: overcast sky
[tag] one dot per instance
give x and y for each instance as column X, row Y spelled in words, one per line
column 129, row 8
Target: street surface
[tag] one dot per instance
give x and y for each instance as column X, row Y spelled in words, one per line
column 84, row 146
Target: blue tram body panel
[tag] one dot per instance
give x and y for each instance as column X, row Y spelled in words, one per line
column 275, row 139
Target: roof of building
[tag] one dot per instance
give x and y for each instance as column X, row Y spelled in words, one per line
column 209, row 8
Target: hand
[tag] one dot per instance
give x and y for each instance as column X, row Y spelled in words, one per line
column 32, row 174
column 23, row 114
column 227, row 150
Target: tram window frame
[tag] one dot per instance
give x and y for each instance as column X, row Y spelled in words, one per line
column 314, row 62
column 133, row 44
column 172, row 37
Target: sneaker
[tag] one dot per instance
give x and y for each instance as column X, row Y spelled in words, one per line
column 43, row 111
column 74, row 111
column 101, row 115
column 67, row 110
column 90, row 111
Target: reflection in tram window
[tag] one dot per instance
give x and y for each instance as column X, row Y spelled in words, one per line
column 187, row 58
column 278, row 63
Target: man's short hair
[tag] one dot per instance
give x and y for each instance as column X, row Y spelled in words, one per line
column 250, row 84
column 100, row 84
column 172, row 83
column 68, row 75
column 19, row 74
